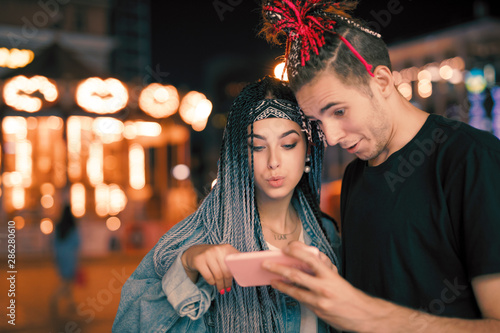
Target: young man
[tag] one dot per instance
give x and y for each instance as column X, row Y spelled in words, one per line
column 420, row 204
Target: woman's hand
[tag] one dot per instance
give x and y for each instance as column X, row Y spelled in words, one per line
column 208, row 260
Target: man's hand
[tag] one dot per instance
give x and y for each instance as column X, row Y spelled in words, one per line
column 338, row 303
column 326, row 293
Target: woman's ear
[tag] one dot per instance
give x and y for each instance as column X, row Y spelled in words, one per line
column 384, row 81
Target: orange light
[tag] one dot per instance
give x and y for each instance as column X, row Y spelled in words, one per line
column 446, row 72
column 16, row 127
column 405, row 90
column 18, row 92
column 424, row 88
column 108, row 129
column 101, row 199
column 113, row 223
column 46, row 226
column 18, row 197
column 15, row 58
column 159, row 101
column 137, row 171
column 117, row 199
column 102, row 96
column 278, row 72
column 188, row 106
column 23, row 161
column 19, row 222
column 95, row 163
column 195, row 109
column 74, row 135
column 78, row 199
column 47, row 201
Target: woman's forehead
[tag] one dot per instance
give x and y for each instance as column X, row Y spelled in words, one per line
column 274, row 126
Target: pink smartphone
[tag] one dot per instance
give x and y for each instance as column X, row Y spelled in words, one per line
column 247, row 270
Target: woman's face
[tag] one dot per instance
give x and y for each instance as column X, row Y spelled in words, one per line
column 279, row 157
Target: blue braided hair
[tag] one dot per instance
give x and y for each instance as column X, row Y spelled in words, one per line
column 228, row 215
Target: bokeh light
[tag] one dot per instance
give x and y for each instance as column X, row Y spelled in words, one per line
column 113, row 223
column 280, row 72
column 77, row 197
column 137, row 171
column 102, row 96
column 15, row 58
column 20, row 222
column 18, row 91
column 159, row 101
column 46, row 226
column 180, row 172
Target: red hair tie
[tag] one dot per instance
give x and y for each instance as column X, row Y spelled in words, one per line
column 307, row 23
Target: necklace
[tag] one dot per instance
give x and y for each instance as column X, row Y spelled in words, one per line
column 278, row 236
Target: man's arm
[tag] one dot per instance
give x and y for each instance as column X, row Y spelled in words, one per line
column 341, row 305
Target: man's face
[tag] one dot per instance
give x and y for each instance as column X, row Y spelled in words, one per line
column 348, row 117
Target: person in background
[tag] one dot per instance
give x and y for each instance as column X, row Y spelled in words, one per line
column 66, row 252
column 420, row 213
column 266, row 195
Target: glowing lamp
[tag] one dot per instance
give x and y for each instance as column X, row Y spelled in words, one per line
column 188, row 106
column 180, row 172
column 102, row 96
column 19, row 93
column 113, row 223
column 475, row 81
column 15, row 58
column 280, row 72
column 159, row 101
column 46, row 226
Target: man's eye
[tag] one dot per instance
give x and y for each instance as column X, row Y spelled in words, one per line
column 340, row 112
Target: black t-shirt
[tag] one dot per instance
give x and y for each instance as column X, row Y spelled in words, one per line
column 417, row 228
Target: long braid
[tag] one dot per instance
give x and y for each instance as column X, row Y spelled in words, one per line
column 229, row 215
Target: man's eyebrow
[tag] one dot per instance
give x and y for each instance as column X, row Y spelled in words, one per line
column 329, row 105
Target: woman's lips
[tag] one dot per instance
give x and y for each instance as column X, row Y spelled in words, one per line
column 276, row 181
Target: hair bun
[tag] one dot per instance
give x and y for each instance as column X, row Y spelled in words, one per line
column 304, row 24
column 280, row 17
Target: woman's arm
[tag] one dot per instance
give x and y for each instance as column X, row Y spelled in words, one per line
column 145, row 307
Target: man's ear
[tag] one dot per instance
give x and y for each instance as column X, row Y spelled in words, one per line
column 384, row 81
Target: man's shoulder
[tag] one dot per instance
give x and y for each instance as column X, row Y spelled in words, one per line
column 461, row 139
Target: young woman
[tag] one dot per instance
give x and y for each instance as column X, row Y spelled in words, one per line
column 266, row 196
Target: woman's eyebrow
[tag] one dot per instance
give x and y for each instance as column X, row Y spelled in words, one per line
column 288, row 133
column 256, row 136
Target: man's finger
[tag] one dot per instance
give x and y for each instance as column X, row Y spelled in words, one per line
column 300, row 294
column 300, row 251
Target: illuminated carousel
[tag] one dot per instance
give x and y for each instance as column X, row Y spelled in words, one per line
column 118, row 152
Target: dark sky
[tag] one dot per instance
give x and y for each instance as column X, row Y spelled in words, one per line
column 192, row 41
column 187, row 35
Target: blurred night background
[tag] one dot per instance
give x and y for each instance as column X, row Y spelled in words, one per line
column 117, row 108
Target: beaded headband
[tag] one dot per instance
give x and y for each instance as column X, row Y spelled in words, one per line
column 305, row 23
column 284, row 109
